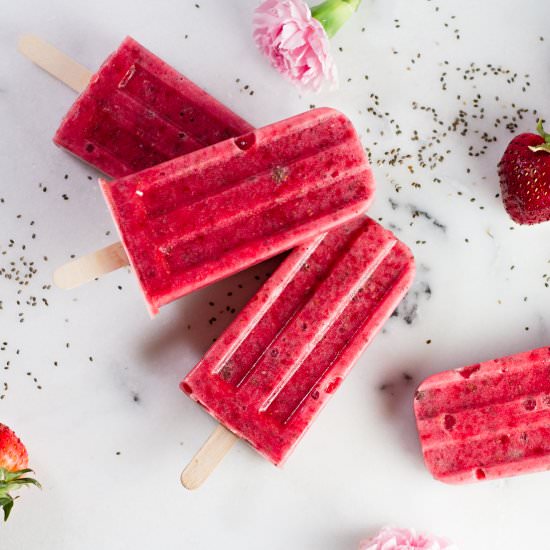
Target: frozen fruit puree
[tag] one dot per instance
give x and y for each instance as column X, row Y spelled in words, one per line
column 488, row 420
column 269, row 374
column 206, row 215
column 138, row 111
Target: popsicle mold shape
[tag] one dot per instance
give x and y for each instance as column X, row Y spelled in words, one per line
column 270, row 373
column 201, row 217
column 488, row 420
column 137, row 111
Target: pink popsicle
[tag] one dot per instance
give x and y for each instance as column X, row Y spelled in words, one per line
column 270, row 373
column 138, row 111
column 488, row 420
column 204, row 216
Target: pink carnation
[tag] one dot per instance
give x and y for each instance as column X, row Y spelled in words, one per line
column 295, row 42
column 404, row 539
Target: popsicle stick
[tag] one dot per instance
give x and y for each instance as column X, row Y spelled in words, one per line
column 207, row 458
column 54, row 61
column 87, row 268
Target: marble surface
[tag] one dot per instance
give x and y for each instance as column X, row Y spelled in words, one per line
column 91, row 383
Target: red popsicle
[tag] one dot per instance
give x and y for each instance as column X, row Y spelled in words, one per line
column 137, row 111
column 487, row 421
column 270, row 373
column 206, row 215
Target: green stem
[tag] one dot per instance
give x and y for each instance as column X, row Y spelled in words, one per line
column 542, row 133
column 332, row 14
column 543, row 146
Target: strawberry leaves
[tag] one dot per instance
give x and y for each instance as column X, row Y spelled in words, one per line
column 6, row 503
column 11, row 481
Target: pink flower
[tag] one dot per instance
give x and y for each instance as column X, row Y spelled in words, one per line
column 404, row 539
column 296, row 43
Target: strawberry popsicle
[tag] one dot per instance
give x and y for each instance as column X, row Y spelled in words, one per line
column 206, row 215
column 488, row 420
column 269, row 374
column 137, row 111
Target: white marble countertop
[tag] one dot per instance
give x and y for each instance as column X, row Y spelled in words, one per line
column 91, row 383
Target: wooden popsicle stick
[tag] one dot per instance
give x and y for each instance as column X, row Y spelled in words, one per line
column 207, row 458
column 54, row 61
column 87, row 268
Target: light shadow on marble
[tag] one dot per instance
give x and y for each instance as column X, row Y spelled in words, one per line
column 202, row 316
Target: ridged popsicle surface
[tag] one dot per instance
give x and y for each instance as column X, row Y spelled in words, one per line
column 211, row 213
column 270, row 373
column 138, row 111
column 488, row 420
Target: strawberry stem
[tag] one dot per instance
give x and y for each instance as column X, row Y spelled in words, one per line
column 542, row 133
column 545, row 146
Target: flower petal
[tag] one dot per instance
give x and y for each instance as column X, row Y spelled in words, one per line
column 295, row 43
column 405, row 539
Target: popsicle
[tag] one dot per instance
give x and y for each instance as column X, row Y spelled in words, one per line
column 137, row 111
column 206, row 215
column 273, row 369
column 488, row 420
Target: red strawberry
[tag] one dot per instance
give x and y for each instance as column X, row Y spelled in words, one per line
column 13, row 467
column 524, row 172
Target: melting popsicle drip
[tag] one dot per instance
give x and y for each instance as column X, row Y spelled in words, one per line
column 245, row 142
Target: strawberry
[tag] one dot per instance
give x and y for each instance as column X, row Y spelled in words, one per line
column 13, row 468
column 524, row 172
